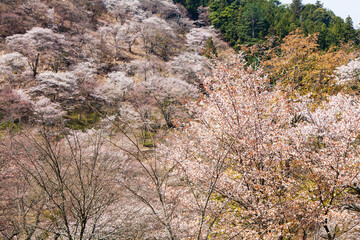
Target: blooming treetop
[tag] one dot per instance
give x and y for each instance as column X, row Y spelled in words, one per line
column 259, row 165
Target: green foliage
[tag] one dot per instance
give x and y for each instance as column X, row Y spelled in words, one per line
column 296, row 8
column 10, row 126
column 248, row 22
column 210, row 49
column 81, row 121
column 148, row 139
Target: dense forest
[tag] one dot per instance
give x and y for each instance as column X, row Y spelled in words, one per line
column 251, row 22
column 178, row 119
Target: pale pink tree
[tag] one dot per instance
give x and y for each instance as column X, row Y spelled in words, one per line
column 86, row 80
column 188, row 65
column 128, row 34
column 121, row 8
column 15, row 105
column 61, row 86
column 110, row 40
column 20, row 206
column 79, row 177
column 197, row 188
column 17, row 62
column 119, row 35
column 72, row 88
column 157, row 36
column 258, row 165
column 204, row 14
column 9, row 182
column 144, row 106
column 39, row 40
column 325, row 155
column 348, row 75
column 196, row 38
column 229, row 158
column 155, row 198
column 167, row 93
column 146, row 68
column 14, row 69
column 166, row 9
column 48, row 112
column 91, row 45
column 115, row 87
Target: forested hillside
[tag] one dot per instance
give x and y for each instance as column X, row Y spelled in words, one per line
column 162, row 119
column 251, row 22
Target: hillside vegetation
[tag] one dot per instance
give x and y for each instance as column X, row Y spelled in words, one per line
column 252, row 22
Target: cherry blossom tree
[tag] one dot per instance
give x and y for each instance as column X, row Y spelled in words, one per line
column 110, row 39
column 348, row 75
column 325, row 157
column 74, row 16
column 225, row 156
column 48, row 112
column 157, row 36
column 39, row 40
column 15, row 105
column 146, row 68
column 188, row 65
column 17, row 17
column 86, row 80
column 204, row 14
column 14, row 69
column 77, row 175
column 117, row 84
column 155, row 196
column 121, row 34
column 15, row 61
column 257, row 165
column 59, row 86
column 197, row 37
column 167, row 92
column 71, row 89
column 128, row 35
column 121, row 8
column 20, row 207
column 10, row 24
column 166, row 9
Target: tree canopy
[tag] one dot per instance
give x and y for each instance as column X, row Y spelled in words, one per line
column 252, row 21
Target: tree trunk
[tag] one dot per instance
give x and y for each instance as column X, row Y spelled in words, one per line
column 34, row 65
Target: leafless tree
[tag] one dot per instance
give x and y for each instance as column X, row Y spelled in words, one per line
column 77, row 175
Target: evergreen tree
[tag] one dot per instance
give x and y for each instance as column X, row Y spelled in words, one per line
column 254, row 16
column 350, row 33
column 251, row 21
column 318, row 4
column 296, row 7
